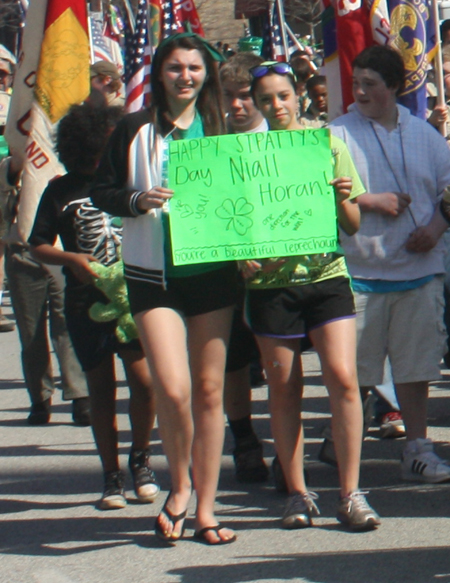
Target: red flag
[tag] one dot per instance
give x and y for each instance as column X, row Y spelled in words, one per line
column 359, row 24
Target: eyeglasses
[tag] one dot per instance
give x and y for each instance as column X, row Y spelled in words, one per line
column 268, row 66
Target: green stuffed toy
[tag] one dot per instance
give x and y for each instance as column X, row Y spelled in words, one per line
column 112, row 283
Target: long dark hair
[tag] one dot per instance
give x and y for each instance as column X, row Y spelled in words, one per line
column 209, row 101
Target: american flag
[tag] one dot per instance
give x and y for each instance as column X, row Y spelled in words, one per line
column 137, row 62
column 170, row 20
column 112, row 41
column 99, row 49
column 273, row 48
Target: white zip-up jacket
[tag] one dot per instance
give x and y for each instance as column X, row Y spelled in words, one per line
column 131, row 164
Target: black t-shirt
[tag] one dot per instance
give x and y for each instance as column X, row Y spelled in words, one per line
column 66, row 210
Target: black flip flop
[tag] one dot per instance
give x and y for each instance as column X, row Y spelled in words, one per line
column 173, row 519
column 199, row 536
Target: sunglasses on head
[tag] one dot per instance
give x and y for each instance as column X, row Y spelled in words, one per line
column 268, row 66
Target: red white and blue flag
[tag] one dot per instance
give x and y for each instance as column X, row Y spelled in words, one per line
column 137, row 62
column 99, row 49
column 273, row 46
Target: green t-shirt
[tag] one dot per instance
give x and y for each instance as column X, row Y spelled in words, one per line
column 302, row 269
column 3, row 148
column 195, row 130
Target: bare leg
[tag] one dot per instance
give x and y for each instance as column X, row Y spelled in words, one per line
column 102, row 392
column 335, row 343
column 282, row 363
column 208, row 337
column 163, row 336
column 413, row 400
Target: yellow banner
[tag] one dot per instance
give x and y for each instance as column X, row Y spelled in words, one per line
column 63, row 76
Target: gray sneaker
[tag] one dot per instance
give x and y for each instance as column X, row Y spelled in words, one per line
column 354, row 512
column 299, row 510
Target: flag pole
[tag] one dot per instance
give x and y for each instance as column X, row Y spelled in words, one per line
column 282, row 18
column 298, row 44
column 439, row 77
column 130, row 14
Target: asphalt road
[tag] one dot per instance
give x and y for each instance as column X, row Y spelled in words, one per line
column 51, row 532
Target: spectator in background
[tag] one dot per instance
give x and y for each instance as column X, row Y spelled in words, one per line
column 242, row 116
column 35, row 291
column 105, row 77
column 316, row 116
column 445, row 33
column 303, row 70
column 7, row 62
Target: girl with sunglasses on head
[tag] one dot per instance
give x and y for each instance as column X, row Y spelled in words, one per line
column 289, row 298
column 183, row 313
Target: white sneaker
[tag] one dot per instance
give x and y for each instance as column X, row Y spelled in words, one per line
column 420, row 463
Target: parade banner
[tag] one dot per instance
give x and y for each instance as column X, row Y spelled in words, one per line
column 413, row 34
column 53, row 74
column 249, row 196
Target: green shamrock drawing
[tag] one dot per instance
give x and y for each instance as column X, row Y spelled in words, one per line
column 235, row 213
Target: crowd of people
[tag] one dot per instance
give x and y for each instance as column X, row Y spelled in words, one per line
column 373, row 309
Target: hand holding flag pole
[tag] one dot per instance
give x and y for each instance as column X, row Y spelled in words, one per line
column 439, row 73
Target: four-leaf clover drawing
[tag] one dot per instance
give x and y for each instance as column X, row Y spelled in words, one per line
column 235, row 213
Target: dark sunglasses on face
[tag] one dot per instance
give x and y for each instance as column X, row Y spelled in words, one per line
column 268, row 66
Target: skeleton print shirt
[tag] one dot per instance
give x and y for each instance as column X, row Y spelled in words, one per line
column 66, row 210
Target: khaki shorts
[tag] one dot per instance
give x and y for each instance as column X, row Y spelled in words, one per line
column 407, row 326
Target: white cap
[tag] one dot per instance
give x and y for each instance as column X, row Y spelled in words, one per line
column 5, row 100
column 7, row 55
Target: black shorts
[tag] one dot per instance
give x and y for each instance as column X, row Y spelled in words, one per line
column 291, row 312
column 193, row 295
column 242, row 348
column 92, row 341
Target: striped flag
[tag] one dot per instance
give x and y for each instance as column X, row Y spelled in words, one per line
column 413, row 33
column 175, row 14
column 111, row 36
column 100, row 50
column 273, row 48
column 137, row 62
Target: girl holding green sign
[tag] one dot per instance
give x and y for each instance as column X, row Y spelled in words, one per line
column 291, row 298
column 183, row 313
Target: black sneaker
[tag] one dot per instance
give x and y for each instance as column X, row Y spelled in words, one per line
column 249, row 461
column 40, row 413
column 144, row 479
column 114, row 492
column 81, row 412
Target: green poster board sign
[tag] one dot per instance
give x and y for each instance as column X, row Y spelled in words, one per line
column 249, row 196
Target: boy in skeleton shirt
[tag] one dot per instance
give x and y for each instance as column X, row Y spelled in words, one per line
column 90, row 235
